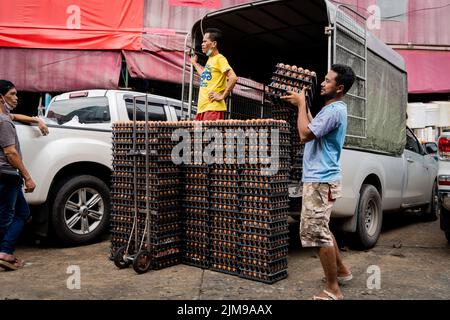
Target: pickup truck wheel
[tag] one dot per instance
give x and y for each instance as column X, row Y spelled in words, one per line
column 430, row 213
column 80, row 211
column 370, row 217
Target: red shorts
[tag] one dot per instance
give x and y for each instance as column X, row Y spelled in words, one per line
column 210, row 115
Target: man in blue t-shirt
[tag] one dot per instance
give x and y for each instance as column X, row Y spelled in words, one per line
column 324, row 137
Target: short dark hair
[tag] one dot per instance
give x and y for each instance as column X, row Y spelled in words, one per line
column 215, row 35
column 5, row 86
column 345, row 76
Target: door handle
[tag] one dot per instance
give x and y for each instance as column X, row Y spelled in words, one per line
column 409, row 160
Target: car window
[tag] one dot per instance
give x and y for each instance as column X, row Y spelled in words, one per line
column 411, row 143
column 80, row 110
column 155, row 110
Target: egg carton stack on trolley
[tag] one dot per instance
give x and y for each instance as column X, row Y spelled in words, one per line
column 196, row 200
column 147, row 218
column 264, row 208
column 225, row 199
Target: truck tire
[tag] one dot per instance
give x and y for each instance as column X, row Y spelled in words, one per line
column 430, row 212
column 369, row 217
column 80, row 210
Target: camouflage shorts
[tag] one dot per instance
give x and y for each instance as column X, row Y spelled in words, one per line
column 317, row 202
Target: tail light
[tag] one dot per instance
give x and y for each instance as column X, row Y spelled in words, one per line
column 444, row 148
column 444, row 180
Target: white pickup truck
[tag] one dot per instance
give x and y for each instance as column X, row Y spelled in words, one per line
column 72, row 165
column 444, row 182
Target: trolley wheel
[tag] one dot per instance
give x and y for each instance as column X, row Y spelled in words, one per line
column 142, row 262
column 119, row 260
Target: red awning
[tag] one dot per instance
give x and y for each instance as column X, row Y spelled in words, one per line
column 160, row 65
column 69, row 24
column 60, row 70
column 428, row 71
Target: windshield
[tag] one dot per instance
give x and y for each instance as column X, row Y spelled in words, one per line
column 80, row 111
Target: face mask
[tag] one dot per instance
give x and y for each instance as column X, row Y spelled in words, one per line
column 208, row 53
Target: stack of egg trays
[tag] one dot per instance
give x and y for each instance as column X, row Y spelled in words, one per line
column 164, row 197
column 196, row 206
column 122, row 209
column 264, row 211
column 225, row 218
column 161, row 195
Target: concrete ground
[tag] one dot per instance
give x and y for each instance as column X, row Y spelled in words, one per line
column 411, row 261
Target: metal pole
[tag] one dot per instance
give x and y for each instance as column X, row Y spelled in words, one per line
column 184, row 75
column 191, row 84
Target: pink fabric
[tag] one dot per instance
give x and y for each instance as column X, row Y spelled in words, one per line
column 60, row 70
column 212, row 4
column 428, row 71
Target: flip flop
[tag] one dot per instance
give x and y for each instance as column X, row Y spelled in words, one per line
column 9, row 265
column 342, row 280
column 12, row 265
column 329, row 296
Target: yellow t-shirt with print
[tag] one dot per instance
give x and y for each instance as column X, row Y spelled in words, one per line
column 213, row 78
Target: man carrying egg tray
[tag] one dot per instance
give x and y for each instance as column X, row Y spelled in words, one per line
column 214, row 87
column 324, row 136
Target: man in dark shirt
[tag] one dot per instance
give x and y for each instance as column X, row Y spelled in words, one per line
column 14, row 210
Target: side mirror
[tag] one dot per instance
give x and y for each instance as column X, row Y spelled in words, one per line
column 431, row 147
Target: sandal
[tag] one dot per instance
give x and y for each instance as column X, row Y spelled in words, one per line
column 12, row 265
column 329, row 296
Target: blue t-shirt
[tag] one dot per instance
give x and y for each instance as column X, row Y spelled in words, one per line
column 321, row 159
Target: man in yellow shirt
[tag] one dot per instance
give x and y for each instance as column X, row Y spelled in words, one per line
column 214, row 87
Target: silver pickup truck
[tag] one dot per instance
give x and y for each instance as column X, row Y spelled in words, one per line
column 444, row 182
column 384, row 167
column 72, row 165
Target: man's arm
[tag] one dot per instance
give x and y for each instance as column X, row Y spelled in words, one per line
column 197, row 66
column 16, row 161
column 26, row 119
column 303, row 118
column 232, row 80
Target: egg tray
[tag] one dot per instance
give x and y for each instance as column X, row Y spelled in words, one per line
column 197, row 227
column 231, row 185
column 225, row 209
column 223, row 189
column 119, row 193
column 265, row 244
column 225, row 195
column 269, row 226
column 264, row 212
column 200, row 261
column 266, row 278
column 264, row 254
column 230, row 239
column 193, row 212
column 264, row 206
column 195, row 205
column 165, row 263
column 265, row 218
column 223, row 268
column 265, row 185
column 195, row 193
column 263, row 191
column 197, row 235
column 283, row 165
column 262, row 266
column 198, row 247
column 195, row 187
column 196, row 176
column 221, row 219
column 247, row 231
column 225, row 201
column 224, row 247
